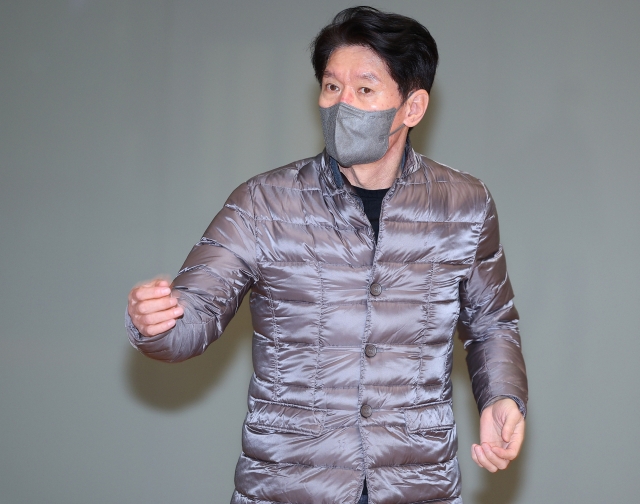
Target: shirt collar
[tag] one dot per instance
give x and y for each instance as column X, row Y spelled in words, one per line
column 337, row 174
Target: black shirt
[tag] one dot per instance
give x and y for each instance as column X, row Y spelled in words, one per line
column 372, row 202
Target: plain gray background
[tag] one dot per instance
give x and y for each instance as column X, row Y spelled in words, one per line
column 125, row 124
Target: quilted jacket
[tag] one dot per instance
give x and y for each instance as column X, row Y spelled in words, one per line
column 352, row 345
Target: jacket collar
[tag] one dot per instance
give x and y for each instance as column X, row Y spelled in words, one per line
column 409, row 165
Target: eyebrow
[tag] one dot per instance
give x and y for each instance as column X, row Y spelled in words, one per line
column 370, row 76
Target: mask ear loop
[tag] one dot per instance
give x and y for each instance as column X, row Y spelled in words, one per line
column 397, row 129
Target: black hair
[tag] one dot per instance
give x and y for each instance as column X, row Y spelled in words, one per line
column 407, row 48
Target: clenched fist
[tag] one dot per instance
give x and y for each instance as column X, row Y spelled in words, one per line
column 152, row 308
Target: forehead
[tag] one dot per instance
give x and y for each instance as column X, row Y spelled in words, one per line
column 357, row 62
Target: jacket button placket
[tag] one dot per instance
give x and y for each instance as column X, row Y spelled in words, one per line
column 370, row 350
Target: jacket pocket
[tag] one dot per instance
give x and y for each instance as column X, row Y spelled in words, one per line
column 429, row 417
column 278, row 417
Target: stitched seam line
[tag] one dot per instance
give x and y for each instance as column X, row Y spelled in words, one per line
column 295, row 385
column 426, row 325
column 428, row 464
column 299, row 464
column 452, row 262
column 276, row 333
column 209, row 271
column 319, row 326
column 312, row 224
column 398, row 301
column 392, row 345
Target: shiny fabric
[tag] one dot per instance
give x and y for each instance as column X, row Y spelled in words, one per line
column 352, row 345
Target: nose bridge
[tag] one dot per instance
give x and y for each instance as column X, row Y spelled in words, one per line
column 347, row 95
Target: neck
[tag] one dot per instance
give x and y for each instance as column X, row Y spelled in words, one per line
column 382, row 173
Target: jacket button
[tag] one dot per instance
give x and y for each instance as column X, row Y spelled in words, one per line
column 366, row 410
column 375, row 289
column 370, row 350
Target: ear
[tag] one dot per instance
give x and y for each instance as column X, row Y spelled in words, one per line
column 415, row 107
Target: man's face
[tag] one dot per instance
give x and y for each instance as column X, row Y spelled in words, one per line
column 358, row 77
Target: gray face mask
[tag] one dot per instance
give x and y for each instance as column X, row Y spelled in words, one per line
column 355, row 136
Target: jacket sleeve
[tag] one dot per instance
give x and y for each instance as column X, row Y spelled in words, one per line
column 488, row 323
column 218, row 272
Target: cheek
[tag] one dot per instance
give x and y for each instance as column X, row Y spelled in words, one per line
column 322, row 102
column 386, row 102
column 384, row 99
column 327, row 100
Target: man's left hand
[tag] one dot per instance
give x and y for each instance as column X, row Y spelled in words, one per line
column 501, row 435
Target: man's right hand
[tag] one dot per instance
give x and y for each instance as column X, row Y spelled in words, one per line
column 152, row 308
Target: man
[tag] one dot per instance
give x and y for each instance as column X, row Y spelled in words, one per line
column 361, row 263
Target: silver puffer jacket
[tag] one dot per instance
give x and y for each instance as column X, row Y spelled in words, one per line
column 352, row 345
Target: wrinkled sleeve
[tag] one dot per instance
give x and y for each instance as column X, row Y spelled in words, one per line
column 488, row 324
column 218, row 272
